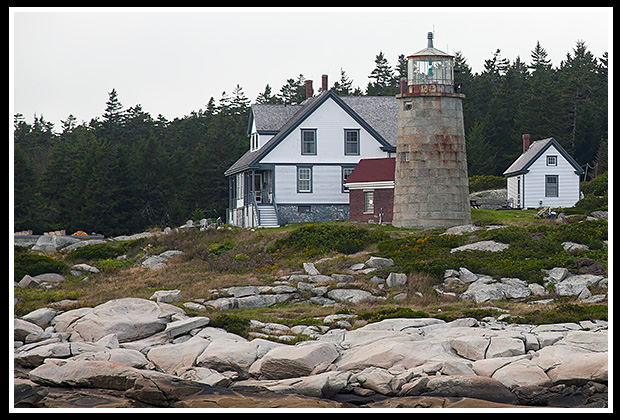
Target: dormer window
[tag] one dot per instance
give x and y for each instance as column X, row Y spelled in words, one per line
column 254, row 142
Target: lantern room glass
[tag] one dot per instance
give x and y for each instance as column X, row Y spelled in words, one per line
column 430, row 70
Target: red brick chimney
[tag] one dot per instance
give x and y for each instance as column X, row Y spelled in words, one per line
column 526, row 142
column 309, row 91
column 324, row 83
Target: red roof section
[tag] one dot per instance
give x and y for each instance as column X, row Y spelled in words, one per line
column 373, row 170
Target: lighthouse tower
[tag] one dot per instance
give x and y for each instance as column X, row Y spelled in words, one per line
column 430, row 185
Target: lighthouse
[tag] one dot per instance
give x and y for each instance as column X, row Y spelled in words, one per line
column 430, row 184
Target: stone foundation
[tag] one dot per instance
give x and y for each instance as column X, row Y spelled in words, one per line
column 294, row 213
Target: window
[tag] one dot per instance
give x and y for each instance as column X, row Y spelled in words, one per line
column 351, row 142
column 308, row 142
column 551, row 186
column 304, row 180
column 254, row 142
column 303, row 209
column 369, row 201
column 404, row 156
column 346, row 171
column 552, row 161
column 408, row 106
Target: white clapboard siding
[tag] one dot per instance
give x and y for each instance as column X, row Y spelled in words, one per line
column 326, row 186
column 535, row 182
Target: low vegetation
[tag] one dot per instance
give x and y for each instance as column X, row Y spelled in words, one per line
column 214, row 259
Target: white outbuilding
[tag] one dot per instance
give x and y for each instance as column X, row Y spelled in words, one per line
column 545, row 175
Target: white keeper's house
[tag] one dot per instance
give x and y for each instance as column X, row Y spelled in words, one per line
column 545, row 175
column 301, row 155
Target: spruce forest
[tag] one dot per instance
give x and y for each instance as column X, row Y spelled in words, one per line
column 126, row 171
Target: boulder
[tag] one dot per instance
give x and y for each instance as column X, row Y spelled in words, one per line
column 378, row 262
column 310, row 269
column 224, row 354
column 574, row 248
column 520, row 374
column 129, row 318
column 471, row 347
column 574, row 285
column 54, row 242
column 471, row 386
column 166, row 296
column 23, row 328
column 299, row 360
column 490, row 246
column 172, row 357
column 396, row 280
column 41, row 317
column 482, row 290
column 572, row 365
column 350, row 296
column 149, row 387
column 84, row 268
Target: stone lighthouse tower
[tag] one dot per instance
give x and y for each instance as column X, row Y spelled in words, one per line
column 430, row 184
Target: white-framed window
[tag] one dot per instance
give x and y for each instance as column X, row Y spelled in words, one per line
column 551, row 186
column 254, row 142
column 308, row 141
column 552, row 160
column 369, row 201
column 351, row 142
column 304, row 179
column 404, row 156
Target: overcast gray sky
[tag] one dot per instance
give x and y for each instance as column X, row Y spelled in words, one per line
column 171, row 61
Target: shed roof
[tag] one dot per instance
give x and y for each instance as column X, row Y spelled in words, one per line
column 536, row 149
column 373, row 170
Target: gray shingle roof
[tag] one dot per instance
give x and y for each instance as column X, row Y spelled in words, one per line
column 270, row 117
column 380, row 112
column 535, row 150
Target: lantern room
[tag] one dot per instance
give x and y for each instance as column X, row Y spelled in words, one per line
column 430, row 71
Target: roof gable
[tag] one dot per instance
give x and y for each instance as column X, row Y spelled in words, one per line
column 535, row 151
column 305, row 109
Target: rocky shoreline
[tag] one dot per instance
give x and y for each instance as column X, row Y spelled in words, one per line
column 143, row 353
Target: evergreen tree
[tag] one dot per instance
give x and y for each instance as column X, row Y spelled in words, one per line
column 344, row 86
column 266, row 97
column 383, row 77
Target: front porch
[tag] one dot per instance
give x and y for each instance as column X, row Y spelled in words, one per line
column 251, row 199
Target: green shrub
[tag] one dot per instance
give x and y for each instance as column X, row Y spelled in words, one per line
column 320, row 239
column 399, row 312
column 34, row 265
column 532, row 248
column 95, row 252
column 564, row 313
column 232, row 323
column 597, row 186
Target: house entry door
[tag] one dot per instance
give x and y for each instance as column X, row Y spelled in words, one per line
column 262, row 187
column 258, row 187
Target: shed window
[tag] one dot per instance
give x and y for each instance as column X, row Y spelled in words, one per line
column 551, row 186
column 369, row 201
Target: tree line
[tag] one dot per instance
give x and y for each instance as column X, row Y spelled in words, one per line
column 126, row 171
